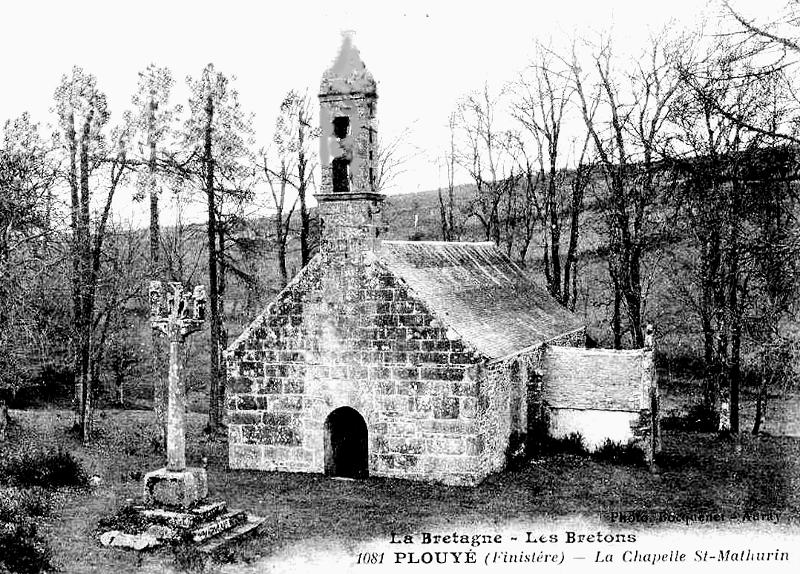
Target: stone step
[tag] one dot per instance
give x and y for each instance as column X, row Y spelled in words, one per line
column 240, row 533
column 183, row 520
column 210, row 510
column 173, row 518
column 218, row 524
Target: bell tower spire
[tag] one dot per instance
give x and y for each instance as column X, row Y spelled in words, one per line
column 349, row 201
column 347, row 103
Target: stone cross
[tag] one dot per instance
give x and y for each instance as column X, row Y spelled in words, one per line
column 177, row 313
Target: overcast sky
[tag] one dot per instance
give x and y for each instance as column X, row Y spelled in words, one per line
column 424, row 55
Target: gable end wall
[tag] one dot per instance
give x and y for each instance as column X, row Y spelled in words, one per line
column 369, row 344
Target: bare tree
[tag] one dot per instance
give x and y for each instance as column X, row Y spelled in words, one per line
column 291, row 174
column 27, row 178
column 579, row 181
column 90, row 154
column 152, row 122
column 727, row 115
column 278, row 178
column 182, row 246
column 528, row 214
column 775, row 43
column 391, row 158
column 543, row 96
column 625, row 133
column 447, row 203
column 708, row 139
column 294, row 135
column 484, row 153
column 217, row 140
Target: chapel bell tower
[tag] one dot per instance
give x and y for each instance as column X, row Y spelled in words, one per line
column 349, row 201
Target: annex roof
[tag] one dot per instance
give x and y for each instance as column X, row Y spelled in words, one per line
column 480, row 293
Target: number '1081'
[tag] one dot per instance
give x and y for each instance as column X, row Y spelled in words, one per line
column 370, row 558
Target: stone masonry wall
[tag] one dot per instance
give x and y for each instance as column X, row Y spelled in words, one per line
column 592, row 378
column 509, row 401
column 494, row 416
column 601, row 393
column 357, row 338
column 351, row 232
column 576, row 338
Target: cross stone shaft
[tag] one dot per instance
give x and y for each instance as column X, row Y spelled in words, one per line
column 177, row 313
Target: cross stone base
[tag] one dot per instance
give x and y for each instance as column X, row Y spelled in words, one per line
column 169, row 488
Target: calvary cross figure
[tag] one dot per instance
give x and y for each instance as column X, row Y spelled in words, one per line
column 177, row 313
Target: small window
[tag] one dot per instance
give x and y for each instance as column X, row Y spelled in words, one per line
column 341, row 127
column 339, row 169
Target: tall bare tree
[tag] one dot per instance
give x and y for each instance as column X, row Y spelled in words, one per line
column 391, row 158
column 775, row 43
column 96, row 164
column 27, row 178
column 528, row 212
column 152, row 121
column 290, row 173
column 447, row 202
column 217, row 139
column 294, row 136
column 484, row 153
column 625, row 130
column 726, row 121
column 278, row 178
column 543, row 95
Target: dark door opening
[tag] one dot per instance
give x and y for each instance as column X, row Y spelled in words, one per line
column 346, row 444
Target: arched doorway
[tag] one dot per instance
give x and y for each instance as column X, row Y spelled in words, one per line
column 346, row 444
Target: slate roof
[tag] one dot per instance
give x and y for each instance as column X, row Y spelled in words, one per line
column 480, row 293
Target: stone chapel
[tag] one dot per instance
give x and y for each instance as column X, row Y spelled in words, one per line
column 419, row 360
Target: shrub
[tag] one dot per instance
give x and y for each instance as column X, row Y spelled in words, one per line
column 50, row 469
column 570, row 444
column 618, row 453
column 681, row 362
column 538, row 434
column 53, row 385
column 15, row 502
column 544, row 445
column 698, row 418
column 676, row 460
column 23, row 550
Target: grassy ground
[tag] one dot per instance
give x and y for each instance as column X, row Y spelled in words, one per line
column 700, row 472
